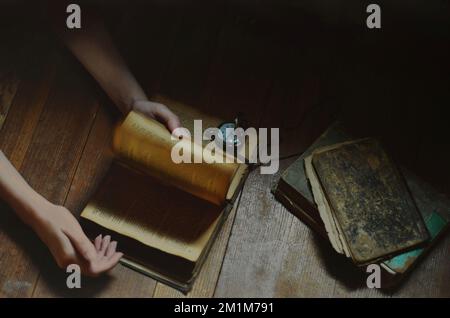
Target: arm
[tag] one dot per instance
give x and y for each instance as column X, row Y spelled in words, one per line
column 55, row 225
column 94, row 48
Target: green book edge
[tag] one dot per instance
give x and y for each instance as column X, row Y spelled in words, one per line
column 435, row 224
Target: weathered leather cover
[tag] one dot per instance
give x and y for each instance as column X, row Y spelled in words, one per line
column 369, row 200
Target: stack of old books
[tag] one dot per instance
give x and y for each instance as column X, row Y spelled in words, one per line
column 349, row 191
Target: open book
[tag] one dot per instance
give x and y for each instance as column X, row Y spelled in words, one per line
column 164, row 215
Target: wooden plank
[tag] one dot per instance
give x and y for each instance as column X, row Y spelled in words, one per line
column 94, row 163
column 17, row 271
column 271, row 250
column 8, row 88
column 214, row 98
column 8, row 76
column 246, row 84
column 263, row 249
column 148, row 60
column 207, row 279
column 240, row 76
column 185, row 81
column 288, row 105
column 146, row 39
column 10, row 58
column 48, row 164
column 186, row 77
column 29, row 103
column 62, row 131
column 276, row 255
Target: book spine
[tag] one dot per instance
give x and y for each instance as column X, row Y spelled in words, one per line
column 300, row 213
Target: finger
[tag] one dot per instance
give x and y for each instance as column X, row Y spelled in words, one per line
column 82, row 244
column 115, row 258
column 111, row 249
column 105, row 244
column 173, row 123
column 171, row 120
column 106, row 265
column 98, row 242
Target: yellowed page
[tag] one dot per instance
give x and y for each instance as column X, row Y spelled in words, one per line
column 162, row 217
column 129, row 227
column 324, row 208
column 148, row 144
column 188, row 114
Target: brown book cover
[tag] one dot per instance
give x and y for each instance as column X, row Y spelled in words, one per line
column 369, row 201
column 164, row 215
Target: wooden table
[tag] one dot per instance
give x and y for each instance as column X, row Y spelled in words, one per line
column 58, row 128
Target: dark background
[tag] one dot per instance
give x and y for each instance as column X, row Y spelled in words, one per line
column 392, row 83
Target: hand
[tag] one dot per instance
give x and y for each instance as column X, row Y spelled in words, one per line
column 157, row 111
column 64, row 237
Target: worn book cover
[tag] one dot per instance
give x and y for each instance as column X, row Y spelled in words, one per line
column 373, row 211
column 294, row 191
column 293, row 188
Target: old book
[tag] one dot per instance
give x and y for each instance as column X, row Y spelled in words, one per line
column 294, row 191
column 293, row 188
column 164, row 215
column 364, row 202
